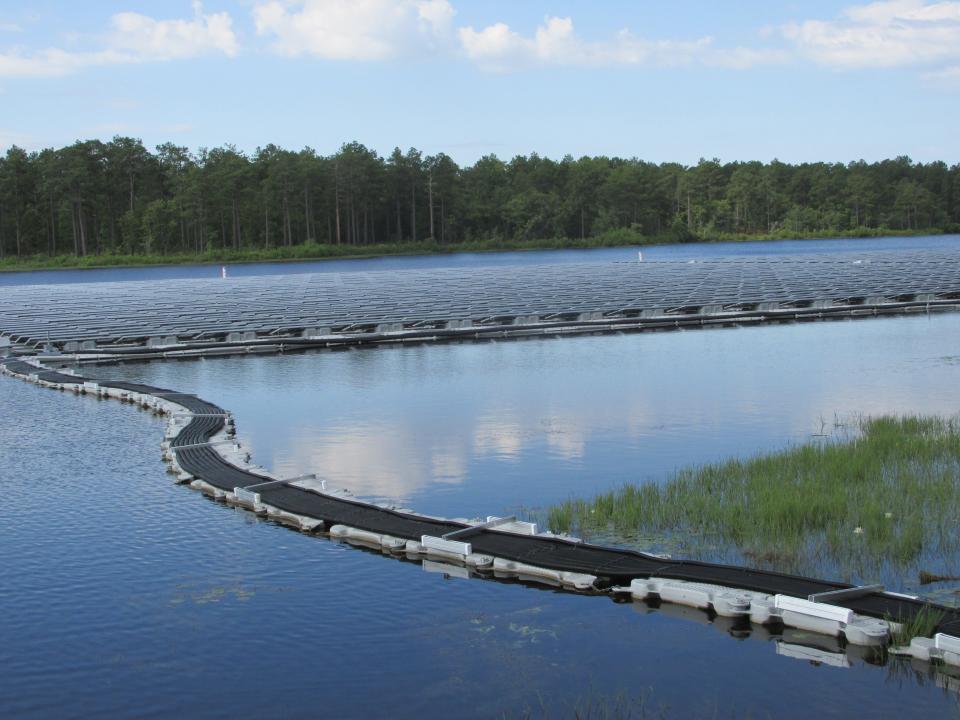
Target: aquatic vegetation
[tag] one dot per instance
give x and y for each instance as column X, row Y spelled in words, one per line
column 923, row 624
column 883, row 494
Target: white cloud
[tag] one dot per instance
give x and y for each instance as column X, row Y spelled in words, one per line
column 555, row 42
column 884, row 34
column 149, row 39
column 10, row 27
column 133, row 38
column 356, row 30
column 887, row 33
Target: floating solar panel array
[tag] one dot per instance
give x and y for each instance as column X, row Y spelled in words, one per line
column 167, row 312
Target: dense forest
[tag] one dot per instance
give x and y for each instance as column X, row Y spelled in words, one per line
column 96, row 198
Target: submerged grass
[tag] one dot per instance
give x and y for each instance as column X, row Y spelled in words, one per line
column 882, row 497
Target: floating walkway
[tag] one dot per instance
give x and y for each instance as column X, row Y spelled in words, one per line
column 201, row 451
column 187, row 318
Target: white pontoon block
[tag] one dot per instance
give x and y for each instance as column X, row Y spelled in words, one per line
column 446, row 549
column 726, row 602
column 298, row 522
column 941, row 647
column 557, row 578
column 248, row 498
column 208, row 489
column 368, row 539
column 817, row 617
column 518, row 527
column 948, row 647
column 831, row 620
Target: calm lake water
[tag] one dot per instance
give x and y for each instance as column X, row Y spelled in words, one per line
column 533, row 257
column 127, row 595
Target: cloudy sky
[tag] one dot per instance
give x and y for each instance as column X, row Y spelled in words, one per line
column 664, row 81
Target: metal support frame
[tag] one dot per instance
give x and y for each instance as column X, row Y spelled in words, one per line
column 284, row 481
column 190, row 414
column 203, row 444
column 846, row 593
column 474, row 529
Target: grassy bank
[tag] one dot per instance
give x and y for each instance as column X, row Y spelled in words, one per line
column 320, row 251
column 293, row 253
column 886, row 497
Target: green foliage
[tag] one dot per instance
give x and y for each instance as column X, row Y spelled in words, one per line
column 118, row 198
column 884, row 496
column 621, row 236
column 680, row 233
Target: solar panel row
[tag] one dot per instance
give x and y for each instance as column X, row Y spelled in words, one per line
column 339, row 302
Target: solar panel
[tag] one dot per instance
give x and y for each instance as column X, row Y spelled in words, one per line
column 122, row 312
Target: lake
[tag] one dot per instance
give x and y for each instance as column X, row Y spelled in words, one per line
column 128, row 595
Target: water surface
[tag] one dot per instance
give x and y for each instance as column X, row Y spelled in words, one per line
column 127, row 595
column 528, row 257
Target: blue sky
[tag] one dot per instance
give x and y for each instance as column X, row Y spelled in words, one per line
column 661, row 81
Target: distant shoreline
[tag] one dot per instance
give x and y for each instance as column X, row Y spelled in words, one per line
column 318, row 252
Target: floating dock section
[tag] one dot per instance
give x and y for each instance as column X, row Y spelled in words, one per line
column 201, row 450
column 185, row 318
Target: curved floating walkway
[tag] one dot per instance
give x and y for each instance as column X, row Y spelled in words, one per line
column 200, row 450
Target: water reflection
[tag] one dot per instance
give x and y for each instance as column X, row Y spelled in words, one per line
column 372, row 459
column 498, row 436
column 488, row 428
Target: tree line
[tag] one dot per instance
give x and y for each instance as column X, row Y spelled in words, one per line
column 117, row 197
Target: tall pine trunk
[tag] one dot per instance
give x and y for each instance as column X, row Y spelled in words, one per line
column 53, row 230
column 306, row 213
column 413, row 212
column 83, row 229
column 336, row 196
column 73, row 227
column 430, row 194
column 236, row 223
column 399, row 223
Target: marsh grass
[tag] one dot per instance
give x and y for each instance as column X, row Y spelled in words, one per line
column 923, row 624
column 882, row 495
